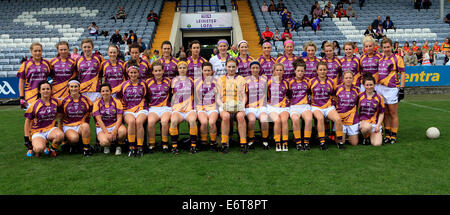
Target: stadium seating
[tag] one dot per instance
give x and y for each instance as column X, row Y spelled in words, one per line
column 193, row 6
column 411, row 24
column 49, row 21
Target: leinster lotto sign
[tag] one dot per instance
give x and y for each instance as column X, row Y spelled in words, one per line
column 206, row 20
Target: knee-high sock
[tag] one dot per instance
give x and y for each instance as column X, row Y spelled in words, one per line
column 193, row 136
column 174, row 136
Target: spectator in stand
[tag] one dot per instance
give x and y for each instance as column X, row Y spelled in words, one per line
column 272, row 6
column 116, row 38
column 267, row 36
column 351, row 12
column 410, row 59
column 336, row 48
column 447, row 18
column 426, row 60
column 75, row 54
column 327, row 12
column 432, row 57
column 445, row 46
column 379, row 33
column 425, row 47
column 315, row 5
column 293, row 24
column 316, row 24
column 377, row 22
column 436, row 47
column 284, row 15
column 397, row 50
column 152, row 17
column 264, row 7
column 306, row 22
column 132, row 38
column 330, row 7
column 447, row 58
column 318, row 11
column 121, row 14
column 426, row 4
column 125, row 39
column 417, row 4
column 388, row 24
column 369, row 32
column 155, row 56
column 280, row 6
column 142, row 46
column 286, row 34
column 419, row 55
column 276, row 36
column 341, row 13
column 406, row 48
column 93, row 30
column 414, row 46
column 361, row 3
column 177, row 55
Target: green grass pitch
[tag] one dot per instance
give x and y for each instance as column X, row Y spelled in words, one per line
column 415, row 165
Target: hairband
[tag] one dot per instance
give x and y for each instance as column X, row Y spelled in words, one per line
column 73, row 81
column 267, row 43
column 242, row 41
column 287, row 42
column 222, row 41
column 182, row 62
column 132, row 67
column 255, row 62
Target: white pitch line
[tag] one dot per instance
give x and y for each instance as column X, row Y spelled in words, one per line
column 427, row 107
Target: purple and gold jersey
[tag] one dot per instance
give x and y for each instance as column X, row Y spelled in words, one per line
column 159, row 92
column 288, row 67
column 370, row 64
column 321, row 92
column 369, row 109
column 311, row 67
column 266, row 65
column 388, row 69
column 133, row 96
column 352, row 64
column 231, row 88
column 347, row 103
column 219, row 65
column 244, row 66
column 277, row 92
column 62, row 70
column 42, row 116
column 76, row 111
column 256, row 90
column 170, row 67
column 88, row 73
column 182, row 94
column 114, row 74
column 195, row 67
column 108, row 112
column 205, row 94
column 334, row 69
column 298, row 91
column 33, row 73
column 144, row 69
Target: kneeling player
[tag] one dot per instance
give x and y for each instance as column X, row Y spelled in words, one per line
column 299, row 105
column 183, row 108
column 232, row 101
column 371, row 112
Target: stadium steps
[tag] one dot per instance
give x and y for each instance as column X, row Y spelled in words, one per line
column 164, row 27
column 249, row 30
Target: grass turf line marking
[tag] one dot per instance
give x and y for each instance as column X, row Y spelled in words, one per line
column 424, row 106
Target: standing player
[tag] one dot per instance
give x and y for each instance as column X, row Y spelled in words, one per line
column 62, row 70
column 390, row 88
column 76, row 110
column 219, row 61
column 168, row 61
column 88, row 67
column 278, row 107
column 311, row 60
column 266, row 60
column 351, row 62
column 159, row 106
column 195, row 61
column 299, row 105
column 108, row 114
column 143, row 65
column 205, row 104
column 346, row 106
column 243, row 59
column 232, row 101
column 371, row 112
column 287, row 59
column 40, row 122
column 113, row 70
column 255, row 108
column 333, row 64
column 322, row 90
column 30, row 74
column 133, row 94
column 183, row 108
column 369, row 60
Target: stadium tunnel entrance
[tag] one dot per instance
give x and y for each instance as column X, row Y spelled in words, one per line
column 208, row 40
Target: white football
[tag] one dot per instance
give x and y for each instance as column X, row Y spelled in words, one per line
column 433, row 133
